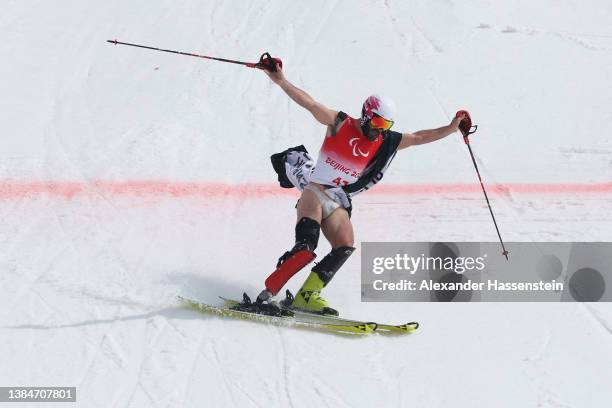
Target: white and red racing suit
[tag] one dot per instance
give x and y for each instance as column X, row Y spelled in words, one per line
column 344, row 156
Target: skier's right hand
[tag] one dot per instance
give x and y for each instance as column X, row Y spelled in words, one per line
column 456, row 122
column 463, row 122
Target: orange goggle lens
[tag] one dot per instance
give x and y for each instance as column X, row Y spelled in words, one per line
column 378, row 122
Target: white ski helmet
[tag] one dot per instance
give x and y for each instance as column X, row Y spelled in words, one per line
column 380, row 105
column 380, row 109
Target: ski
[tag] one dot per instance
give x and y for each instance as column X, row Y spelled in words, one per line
column 384, row 328
column 226, row 310
column 380, row 327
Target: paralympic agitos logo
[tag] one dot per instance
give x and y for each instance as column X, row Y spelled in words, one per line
column 354, row 143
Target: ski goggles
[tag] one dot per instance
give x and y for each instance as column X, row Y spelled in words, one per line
column 378, row 122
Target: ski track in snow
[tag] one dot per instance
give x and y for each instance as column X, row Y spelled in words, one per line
column 285, row 367
column 607, row 326
column 576, row 39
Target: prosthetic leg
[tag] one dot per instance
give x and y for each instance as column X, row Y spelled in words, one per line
column 306, row 239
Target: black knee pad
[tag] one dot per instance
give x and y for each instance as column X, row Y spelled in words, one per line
column 307, row 231
column 327, row 268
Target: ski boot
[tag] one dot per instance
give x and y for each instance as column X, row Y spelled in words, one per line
column 308, row 298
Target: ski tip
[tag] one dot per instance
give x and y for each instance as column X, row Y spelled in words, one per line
column 406, row 328
column 409, row 327
column 190, row 303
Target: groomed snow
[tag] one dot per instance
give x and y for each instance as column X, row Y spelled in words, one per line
column 110, row 156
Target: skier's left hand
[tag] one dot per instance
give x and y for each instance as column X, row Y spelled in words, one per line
column 456, row 121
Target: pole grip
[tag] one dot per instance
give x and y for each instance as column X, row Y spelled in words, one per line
column 267, row 62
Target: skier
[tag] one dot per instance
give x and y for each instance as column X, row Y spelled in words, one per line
column 354, row 155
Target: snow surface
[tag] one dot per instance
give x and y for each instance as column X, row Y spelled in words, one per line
column 88, row 275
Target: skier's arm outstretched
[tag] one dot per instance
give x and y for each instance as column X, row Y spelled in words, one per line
column 430, row 135
column 321, row 113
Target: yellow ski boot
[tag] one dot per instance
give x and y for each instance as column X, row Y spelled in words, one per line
column 309, row 297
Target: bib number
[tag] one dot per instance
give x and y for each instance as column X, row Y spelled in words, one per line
column 338, row 181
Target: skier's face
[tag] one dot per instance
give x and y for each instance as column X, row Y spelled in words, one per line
column 373, row 134
column 374, row 126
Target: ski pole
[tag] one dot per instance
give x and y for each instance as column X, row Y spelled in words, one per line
column 466, row 128
column 265, row 61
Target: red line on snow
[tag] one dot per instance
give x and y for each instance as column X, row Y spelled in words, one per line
column 10, row 189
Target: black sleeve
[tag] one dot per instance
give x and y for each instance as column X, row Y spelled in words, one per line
column 341, row 117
